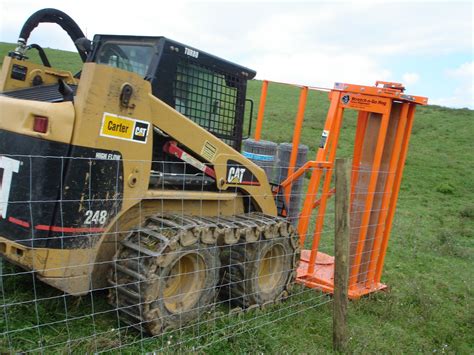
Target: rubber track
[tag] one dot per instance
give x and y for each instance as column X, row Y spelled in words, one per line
column 151, row 247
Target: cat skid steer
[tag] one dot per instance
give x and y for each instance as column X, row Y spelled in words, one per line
column 127, row 176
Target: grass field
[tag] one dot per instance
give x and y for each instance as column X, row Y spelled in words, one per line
column 429, row 265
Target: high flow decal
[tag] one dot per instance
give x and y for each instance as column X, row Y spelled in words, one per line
column 125, row 128
column 107, row 156
column 8, row 167
column 237, row 174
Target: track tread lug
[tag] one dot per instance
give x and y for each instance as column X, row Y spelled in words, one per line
column 151, row 248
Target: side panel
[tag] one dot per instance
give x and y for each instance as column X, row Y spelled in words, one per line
column 91, row 197
column 53, row 200
column 18, row 116
column 104, row 124
column 31, row 192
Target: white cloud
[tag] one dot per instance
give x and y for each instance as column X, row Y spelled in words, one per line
column 410, row 78
column 464, row 71
column 463, row 95
column 320, row 69
column 309, row 43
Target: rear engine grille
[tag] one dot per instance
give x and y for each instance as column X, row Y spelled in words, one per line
column 47, row 93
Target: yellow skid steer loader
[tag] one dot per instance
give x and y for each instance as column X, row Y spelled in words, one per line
column 128, row 176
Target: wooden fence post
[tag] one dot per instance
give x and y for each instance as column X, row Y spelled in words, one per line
column 341, row 253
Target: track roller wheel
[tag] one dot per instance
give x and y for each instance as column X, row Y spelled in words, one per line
column 158, row 283
column 261, row 272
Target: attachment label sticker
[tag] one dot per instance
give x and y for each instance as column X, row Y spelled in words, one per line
column 366, row 103
column 125, row 128
column 324, row 138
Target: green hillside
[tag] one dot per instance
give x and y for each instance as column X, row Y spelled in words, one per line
column 428, row 267
column 60, row 59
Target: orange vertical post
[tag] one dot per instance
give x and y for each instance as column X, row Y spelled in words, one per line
column 396, row 189
column 326, row 186
column 358, row 142
column 388, row 190
column 296, row 138
column 370, row 197
column 313, row 186
column 261, row 110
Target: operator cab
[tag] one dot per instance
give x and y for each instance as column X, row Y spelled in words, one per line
column 207, row 89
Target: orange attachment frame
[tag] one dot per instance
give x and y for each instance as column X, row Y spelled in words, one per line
column 383, row 130
column 384, row 123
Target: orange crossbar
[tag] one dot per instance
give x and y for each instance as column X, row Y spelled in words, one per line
column 312, row 164
column 330, row 193
column 391, row 93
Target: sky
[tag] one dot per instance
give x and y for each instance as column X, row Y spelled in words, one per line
column 428, row 46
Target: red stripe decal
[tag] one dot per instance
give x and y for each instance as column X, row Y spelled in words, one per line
column 254, row 183
column 43, row 227
column 171, row 148
column 210, row 172
column 19, row 222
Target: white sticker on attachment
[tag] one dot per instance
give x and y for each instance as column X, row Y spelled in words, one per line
column 324, row 138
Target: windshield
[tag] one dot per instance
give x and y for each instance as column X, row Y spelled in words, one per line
column 131, row 57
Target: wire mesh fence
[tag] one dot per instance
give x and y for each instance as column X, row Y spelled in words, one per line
column 92, row 265
column 163, row 260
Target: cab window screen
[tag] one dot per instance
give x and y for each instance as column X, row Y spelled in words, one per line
column 131, row 57
column 206, row 97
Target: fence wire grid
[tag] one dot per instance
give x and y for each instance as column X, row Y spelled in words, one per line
column 176, row 265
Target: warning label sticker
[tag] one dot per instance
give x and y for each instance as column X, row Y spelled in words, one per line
column 125, row 128
column 208, row 151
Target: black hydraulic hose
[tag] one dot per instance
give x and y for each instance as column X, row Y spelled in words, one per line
column 41, row 53
column 53, row 16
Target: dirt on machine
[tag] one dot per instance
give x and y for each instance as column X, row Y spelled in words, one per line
column 138, row 183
